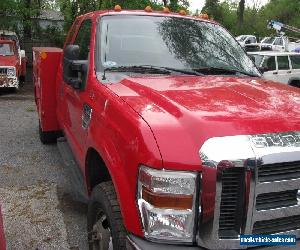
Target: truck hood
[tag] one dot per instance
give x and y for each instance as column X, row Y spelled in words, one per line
column 184, row 111
column 8, row 61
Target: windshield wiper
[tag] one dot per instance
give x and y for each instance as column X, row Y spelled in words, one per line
column 150, row 68
column 216, row 70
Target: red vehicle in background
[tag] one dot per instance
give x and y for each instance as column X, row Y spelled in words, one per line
column 12, row 67
column 170, row 132
column 2, row 236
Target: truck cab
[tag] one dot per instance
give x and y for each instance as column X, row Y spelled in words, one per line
column 166, row 121
column 10, row 68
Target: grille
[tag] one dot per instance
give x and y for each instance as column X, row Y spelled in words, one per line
column 277, row 225
column 276, row 200
column 232, row 200
column 3, row 71
column 279, row 171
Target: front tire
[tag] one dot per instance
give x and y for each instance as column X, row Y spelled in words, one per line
column 104, row 222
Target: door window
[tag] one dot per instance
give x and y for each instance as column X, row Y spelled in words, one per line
column 295, row 60
column 278, row 41
column 269, row 63
column 252, row 40
column 83, row 39
column 283, row 63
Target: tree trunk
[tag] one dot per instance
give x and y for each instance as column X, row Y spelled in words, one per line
column 241, row 11
column 165, row 3
column 27, row 20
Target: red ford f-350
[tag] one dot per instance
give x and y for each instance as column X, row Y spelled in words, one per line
column 169, row 131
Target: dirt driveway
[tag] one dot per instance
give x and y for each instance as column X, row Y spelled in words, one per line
column 38, row 211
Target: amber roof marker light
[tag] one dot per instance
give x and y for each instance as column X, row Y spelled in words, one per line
column 148, row 9
column 117, row 8
column 182, row 12
column 204, row 16
column 166, row 10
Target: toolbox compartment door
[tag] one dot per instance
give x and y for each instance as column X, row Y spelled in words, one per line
column 45, row 66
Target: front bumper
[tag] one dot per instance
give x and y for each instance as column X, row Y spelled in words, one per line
column 9, row 82
column 136, row 243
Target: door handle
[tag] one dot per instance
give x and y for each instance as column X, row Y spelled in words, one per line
column 275, row 73
column 289, row 72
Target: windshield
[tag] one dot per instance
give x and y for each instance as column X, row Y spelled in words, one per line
column 172, row 42
column 269, row 40
column 6, row 49
column 241, row 38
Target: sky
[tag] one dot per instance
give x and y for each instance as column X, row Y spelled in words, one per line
column 198, row 4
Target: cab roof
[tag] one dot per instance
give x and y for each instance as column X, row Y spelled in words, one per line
column 96, row 14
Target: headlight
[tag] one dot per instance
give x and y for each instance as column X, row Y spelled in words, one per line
column 11, row 72
column 166, row 201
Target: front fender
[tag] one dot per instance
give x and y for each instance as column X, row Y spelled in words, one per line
column 124, row 141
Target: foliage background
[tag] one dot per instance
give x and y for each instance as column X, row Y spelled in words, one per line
column 235, row 15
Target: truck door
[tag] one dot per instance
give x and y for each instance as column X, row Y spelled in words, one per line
column 76, row 100
column 284, row 69
column 279, row 44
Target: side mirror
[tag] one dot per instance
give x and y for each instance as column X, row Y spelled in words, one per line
column 74, row 70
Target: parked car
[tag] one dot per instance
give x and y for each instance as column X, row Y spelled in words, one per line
column 11, row 72
column 278, row 43
column 281, row 67
column 246, row 39
column 10, row 35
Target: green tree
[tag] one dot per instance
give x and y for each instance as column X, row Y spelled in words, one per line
column 213, row 9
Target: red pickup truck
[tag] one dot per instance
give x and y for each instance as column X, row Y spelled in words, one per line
column 177, row 140
column 12, row 67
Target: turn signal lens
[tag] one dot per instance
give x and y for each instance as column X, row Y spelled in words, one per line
column 179, row 202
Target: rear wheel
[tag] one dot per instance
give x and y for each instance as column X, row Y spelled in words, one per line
column 47, row 137
column 105, row 224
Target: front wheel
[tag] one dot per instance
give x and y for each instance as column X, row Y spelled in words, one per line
column 104, row 222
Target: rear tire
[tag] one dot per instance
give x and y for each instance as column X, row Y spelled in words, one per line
column 47, row 137
column 104, row 221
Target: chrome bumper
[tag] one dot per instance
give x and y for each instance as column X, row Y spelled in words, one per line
column 9, row 82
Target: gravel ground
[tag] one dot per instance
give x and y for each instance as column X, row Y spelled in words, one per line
column 34, row 185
